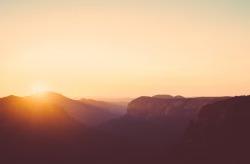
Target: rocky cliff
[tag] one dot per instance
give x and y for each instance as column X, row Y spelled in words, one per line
column 220, row 134
column 155, row 107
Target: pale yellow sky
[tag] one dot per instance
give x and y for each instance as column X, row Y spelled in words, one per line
column 124, row 52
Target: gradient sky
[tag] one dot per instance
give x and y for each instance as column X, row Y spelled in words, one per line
column 125, row 49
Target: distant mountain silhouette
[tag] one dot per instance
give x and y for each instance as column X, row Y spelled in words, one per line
column 118, row 101
column 86, row 112
column 115, row 108
column 32, row 112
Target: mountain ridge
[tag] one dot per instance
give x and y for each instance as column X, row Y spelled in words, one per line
column 84, row 112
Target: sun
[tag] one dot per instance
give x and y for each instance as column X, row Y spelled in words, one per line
column 39, row 89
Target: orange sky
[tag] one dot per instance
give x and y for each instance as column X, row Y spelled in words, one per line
column 124, row 52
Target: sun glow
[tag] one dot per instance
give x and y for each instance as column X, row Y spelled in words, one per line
column 39, row 89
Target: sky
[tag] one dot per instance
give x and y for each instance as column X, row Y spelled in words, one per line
column 107, row 48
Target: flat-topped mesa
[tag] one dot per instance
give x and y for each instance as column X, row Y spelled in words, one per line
column 153, row 107
column 168, row 96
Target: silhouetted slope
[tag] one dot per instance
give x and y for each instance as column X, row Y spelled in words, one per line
column 33, row 129
column 84, row 112
column 30, row 111
column 220, row 134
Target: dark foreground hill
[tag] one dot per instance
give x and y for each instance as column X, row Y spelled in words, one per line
column 48, row 128
column 33, row 129
column 220, row 134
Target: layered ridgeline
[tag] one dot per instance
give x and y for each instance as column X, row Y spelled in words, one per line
column 154, row 125
column 34, row 128
column 51, row 128
column 115, row 108
column 88, row 112
column 220, row 134
column 33, row 114
column 173, row 114
column 175, row 111
column 161, row 106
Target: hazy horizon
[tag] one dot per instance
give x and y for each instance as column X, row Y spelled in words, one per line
column 117, row 98
column 125, row 49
